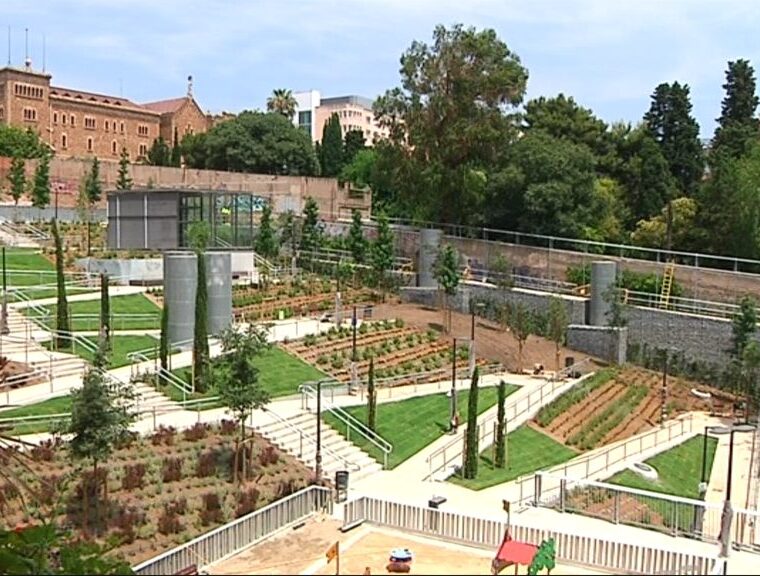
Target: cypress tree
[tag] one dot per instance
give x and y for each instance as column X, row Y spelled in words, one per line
column 371, row 396
column 331, row 150
column 199, row 237
column 105, row 312
column 163, row 351
column 17, row 178
column 62, row 324
column 41, row 187
column 737, row 125
column 266, row 242
column 123, row 181
column 357, row 243
column 501, row 417
column 471, row 443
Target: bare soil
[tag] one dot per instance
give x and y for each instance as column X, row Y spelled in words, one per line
column 491, row 340
column 9, row 368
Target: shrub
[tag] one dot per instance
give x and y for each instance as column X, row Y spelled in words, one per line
column 172, row 469
column 247, row 501
column 168, row 522
column 44, row 452
column 126, row 520
column 133, row 476
column 163, row 435
column 337, row 363
column 285, row 488
column 206, row 464
column 228, row 427
column 363, row 328
column 212, row 509
column 310, row 340
column 269, row 456
column 198, row 431
column 399, row 323
column 322, row 359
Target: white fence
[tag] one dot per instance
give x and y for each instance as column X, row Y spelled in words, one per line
column 235, row 536
column 621, row 557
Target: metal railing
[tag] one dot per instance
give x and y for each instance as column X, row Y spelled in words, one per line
column 302, row 435
column 229, row 539
column 162, row 373
column 351, row 423
column 682, row 305
column 621, row 557
column 516, row 412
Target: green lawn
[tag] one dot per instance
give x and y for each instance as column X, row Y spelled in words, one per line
column 58, row 405
column 410, row 425
column 280, row 373
column 120, row 347
column 679, row 470
column 528, row 450
column 120, row 305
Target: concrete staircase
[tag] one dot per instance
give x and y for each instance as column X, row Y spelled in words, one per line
column 148, row 398
column 296, row 435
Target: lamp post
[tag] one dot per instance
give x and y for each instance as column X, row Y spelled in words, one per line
column 4, row 330
column 453, row 386
column 353, row 351
column 663, row 409
column 474, row 309
column 318, row 456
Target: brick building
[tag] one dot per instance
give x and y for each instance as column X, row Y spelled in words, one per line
column 84, row 124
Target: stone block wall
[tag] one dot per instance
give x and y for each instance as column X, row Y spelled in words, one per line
column 607, row 343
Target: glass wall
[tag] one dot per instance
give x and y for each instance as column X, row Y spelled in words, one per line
column 230, row 217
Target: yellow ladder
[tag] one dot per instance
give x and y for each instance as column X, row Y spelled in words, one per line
column 667, row 284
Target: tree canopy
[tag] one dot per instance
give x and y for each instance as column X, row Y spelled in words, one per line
column 331, row 147
column 282, row 102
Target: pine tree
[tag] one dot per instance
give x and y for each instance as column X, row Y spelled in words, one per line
column 737, row 125
column 331, row 149
column 123, row 180
column 472, row 454
column 105, row 311
column 357, row 243
column 159, row 153
column 266, row 242
column 371, row 396
column 311, row 231
column 353, row 143
column 500, row 460
column 163, row 351
column 199, row 237
column 17, row 178
column 62, row 325
column 743, row 326
column 520, row 322
column 382, row 252
column 41, row 188
column 558, row 321
column 176, row 155
column 93, row 192
column 670, row 123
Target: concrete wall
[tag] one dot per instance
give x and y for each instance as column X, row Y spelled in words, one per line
column 133, row 271
column 604, row 342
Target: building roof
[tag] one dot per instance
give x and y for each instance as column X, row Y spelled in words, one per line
column 166, row 106
column 353, row 99
column 94, row 98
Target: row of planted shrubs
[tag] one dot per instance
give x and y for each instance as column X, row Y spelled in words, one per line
column 576, row 394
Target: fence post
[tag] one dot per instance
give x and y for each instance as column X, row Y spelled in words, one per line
column 562, row 495
column 537, row 490
column 154, row 417
column 616, row 516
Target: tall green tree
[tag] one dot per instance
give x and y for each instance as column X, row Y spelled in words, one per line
column 737, row 126
column 750, row 371
column 331, row 147
column 282, row 102
column 521, row 325
column 472, row 453
column 357, row 243
column 123, row 180
column 62, row 324
column 558, row 322
column 15, row 141
column 288, row 231
column 500, row 460
column 361, row 172
column 41, row 187
column 105, row 312
column 266, row 241
column 199, row 234
column 353, row 143
column 446, row 272
column 93, row 192
column 101, row 413
column 671, row 124
column 311, row 230
column 382, row 252
column 236, row 377
column 17, row 178
column 159, row 153
column 176, row 154
column 448, row 121
column 163, row 347
column 371, row 397
column 743, row 326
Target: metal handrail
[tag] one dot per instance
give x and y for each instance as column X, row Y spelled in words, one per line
column 161, row 372
column 373, row 437
column 346, row 462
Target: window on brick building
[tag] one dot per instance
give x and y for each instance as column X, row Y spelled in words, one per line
column 142, row 130
column 64, row 118
column 89, row 144
column 106, row 125
column 89, row 123
column 2, row 113
column 73, row 120
column 30, row 114
column 55, row 117
column 121, row 127
column 142, row 150
column 114, row 147
column 64, row 141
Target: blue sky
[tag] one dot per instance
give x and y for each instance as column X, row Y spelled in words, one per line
column 608, row 54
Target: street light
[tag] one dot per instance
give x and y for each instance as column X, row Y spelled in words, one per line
column 353, row 351
column 453, row 387
column 318, row 455
column 474, row 308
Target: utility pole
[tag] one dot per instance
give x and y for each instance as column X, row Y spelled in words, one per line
column 663, row 409
column 4, row 330
column 353, row 351
column 453, row 385
column 318, row 457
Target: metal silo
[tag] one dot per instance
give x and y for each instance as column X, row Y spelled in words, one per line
column 603, row 276
column 219, row 286
column 430, row 242
column 180, row 281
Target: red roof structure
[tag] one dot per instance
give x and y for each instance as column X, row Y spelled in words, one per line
column 166, row 106
column 512, row 552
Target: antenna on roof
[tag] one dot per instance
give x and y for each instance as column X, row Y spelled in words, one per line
column 121, row 88
column 9, row 45
column 189, row 86
column 27, row 60
column 43, row 53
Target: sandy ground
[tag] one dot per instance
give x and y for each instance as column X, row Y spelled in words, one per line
column 302, row 551
column 491, row 340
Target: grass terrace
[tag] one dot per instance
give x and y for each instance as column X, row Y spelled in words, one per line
column 121, row 346
column 136, row 313
column 411, row 424
column 58, row 405
column 527, row 451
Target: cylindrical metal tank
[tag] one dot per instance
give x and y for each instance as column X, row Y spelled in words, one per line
column 180, row 281
column 430, row 242
column 219, row 286
column 603, row 276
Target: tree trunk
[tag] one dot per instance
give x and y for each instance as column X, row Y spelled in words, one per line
column 519, row 356
column 556, row 358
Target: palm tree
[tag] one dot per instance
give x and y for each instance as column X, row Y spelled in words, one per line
column 282, row 102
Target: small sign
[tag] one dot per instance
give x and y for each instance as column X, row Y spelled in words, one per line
column 332, row 552
column 505, row 504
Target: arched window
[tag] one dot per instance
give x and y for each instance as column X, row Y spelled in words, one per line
column 64, row 141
